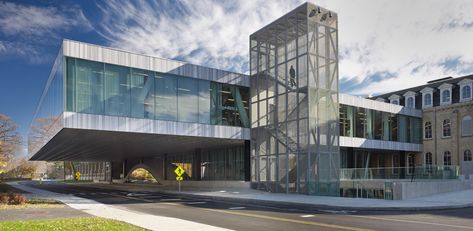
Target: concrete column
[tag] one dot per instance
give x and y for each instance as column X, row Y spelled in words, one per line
column 165, row 166
column 196, row 163
column 247, row 160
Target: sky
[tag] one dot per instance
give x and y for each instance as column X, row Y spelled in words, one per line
column 384, row 45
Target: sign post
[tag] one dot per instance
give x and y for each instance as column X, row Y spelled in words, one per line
column 179, row 172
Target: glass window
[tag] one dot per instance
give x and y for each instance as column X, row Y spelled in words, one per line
column 360, row 122
column 378, row 125
column 446, row 128
column 70, row 84
column 467, row 129
column 428, row 162
column 188, row 101
column 446, row 96
column 346, row 120
column 428, row 158
column 427, row 99
column 393, row 127
column 142, row 94
column 229, row 106
column 428, row 130
column 410, row 102
column 395, row 102
column 466, row 92
column 467, row 155
column 411, row 160
column 89, row 97
column 395, row 164
column 204, row 101
column 447, row 158
column 166, row 97
column 402, row 128
column 117, row 90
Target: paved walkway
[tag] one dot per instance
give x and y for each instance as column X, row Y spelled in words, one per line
column 459, row 199
column 113, row 212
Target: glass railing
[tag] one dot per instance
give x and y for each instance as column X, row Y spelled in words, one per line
column 413, row 173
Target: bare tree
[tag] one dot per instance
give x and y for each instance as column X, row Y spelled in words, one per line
column 10, row 141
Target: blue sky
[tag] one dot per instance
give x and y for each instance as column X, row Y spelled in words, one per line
column 384, row 45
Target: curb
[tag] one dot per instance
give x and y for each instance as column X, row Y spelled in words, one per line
column 309, row 206
column 312, row 206
column 304, row 206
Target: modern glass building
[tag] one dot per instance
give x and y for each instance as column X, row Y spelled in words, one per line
column 294, row 96
column 285, row 128
column 104, row 104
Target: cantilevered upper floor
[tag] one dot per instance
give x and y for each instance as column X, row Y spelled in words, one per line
column 94, row 90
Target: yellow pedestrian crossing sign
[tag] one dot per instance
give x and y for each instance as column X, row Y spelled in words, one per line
column 179, row 171
column 77, row 175
column 179, row 178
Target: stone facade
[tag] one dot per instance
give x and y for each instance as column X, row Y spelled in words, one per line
column 456, row 143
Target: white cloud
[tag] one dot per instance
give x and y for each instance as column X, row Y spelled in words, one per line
column 410, row 40
column 213, row 33
column 24, row 29
column 28, row 20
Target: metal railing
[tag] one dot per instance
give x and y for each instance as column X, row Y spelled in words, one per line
column 408, row 173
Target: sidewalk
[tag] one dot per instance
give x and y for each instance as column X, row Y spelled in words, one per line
column 451, row 200
column 95, row 208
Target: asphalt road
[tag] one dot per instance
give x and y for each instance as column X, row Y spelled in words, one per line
column 242, row 216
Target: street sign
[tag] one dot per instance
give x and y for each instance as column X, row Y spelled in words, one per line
column 179, row 171
column 77, row 175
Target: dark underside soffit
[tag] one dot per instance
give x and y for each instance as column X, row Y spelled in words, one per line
column 92, row 145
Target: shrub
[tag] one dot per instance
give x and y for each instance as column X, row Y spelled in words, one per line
column 4, row 198
column 17, row 199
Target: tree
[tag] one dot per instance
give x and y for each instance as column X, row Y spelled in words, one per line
column 10, row 141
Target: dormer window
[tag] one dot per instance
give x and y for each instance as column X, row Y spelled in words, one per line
column 466, row 86
column 466, row 92
column 445, row 93
column 394, row 99
column 410, row 102
column 410, row 99
column 427, row 97
column 445, row 96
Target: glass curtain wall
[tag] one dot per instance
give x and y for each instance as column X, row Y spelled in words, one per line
column 215, row 164
column 377, row 125
column 47, row 120
column 294, row 98
column 105, row 89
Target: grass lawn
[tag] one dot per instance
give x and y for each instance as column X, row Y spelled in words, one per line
column 81, row 223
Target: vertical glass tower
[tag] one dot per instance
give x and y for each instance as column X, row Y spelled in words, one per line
column 294, row 103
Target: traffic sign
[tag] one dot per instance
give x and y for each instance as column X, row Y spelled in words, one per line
column 179, row 178
column 179, row 171
column 77, row 175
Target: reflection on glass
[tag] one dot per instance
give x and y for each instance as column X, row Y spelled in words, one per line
column 89, row 87
column 187, row 93
column 142, row 94
column 117, row 90
column 105, row 89
column 166, row 97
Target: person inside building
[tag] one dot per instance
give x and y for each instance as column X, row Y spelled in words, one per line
column 292, row 75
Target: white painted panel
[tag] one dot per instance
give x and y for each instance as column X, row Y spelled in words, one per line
column 118, row 57
column 125, row 124
column 356, row 142
column 377, row 105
